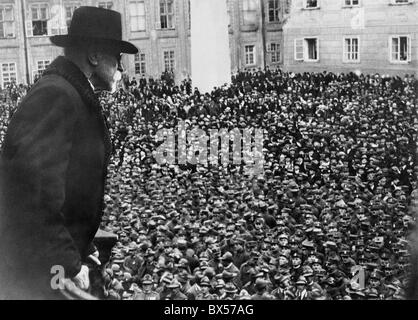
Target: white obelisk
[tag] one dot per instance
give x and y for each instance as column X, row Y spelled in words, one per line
column 211, row 61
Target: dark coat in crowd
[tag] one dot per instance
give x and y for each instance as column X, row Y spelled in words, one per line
column 53, row 169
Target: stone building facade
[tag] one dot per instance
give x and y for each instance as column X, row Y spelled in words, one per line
column 160, row 29
column 367, row 36
column 299, row 35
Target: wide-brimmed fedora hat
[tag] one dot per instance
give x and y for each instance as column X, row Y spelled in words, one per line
column 91, row 23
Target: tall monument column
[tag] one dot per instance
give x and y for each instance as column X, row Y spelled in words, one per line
column 211, row 61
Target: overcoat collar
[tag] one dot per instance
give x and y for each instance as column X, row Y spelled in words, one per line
column 70, row 72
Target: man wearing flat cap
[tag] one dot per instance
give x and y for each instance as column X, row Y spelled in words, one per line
column 54, row 162
column 147, row 293
column 205, row 287
column 261, row 291
column 175, row 291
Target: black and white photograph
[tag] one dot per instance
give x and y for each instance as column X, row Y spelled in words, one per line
column 228, row 151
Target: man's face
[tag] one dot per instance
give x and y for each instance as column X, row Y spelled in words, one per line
column 283, row 261
column 296, row 261
column 108, row 71
column 374, row 283
column 300, row 287
column 345, row 258
column 316, row 267
column 283, row 242
column 147, row 288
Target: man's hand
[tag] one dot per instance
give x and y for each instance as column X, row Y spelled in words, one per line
column 95, row 258
column 82, row 280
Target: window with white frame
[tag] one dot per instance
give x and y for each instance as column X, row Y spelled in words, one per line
column 249, row 55
column 137, row 15
column 400, row 49
column 41, row 66
column 69, row 11
column 311, row 4
column 169, row 60
column 7, row 22
column 273, row 10
column 274, row 50
column 105, row 4
column 38, row 24
column 140, row 64
column 8, row 73
column 306, row 49
column 351, row 49
column 167, row 14
column 351, row 3
column 249, row 12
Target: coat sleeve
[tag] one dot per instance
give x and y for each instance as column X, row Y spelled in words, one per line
column 36, row 153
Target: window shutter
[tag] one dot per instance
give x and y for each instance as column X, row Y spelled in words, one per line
column 268, row 47
column 29, row 28
column 299, row 49
column 390, row 49
column 158, row 18
column 141, row 16
column 171, row 15
column 409, row 49
column 132, row 14
column 317, row 48
column 359, row 49
column 9, row 29
column 52, row 27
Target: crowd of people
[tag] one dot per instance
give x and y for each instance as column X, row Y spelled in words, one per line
column 327, row 218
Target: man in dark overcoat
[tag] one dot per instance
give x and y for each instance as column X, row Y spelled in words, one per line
column 54, row 160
